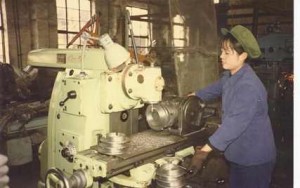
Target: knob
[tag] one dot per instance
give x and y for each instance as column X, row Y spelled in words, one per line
column 68, row 152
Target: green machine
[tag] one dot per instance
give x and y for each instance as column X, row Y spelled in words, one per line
column 93, row 138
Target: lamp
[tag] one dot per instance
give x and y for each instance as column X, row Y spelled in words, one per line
column 115, row 55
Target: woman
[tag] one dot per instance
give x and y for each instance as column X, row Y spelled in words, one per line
column 245, row 135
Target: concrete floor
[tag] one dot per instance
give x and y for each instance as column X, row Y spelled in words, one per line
column 26, row 176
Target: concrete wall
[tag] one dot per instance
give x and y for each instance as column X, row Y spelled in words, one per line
column 200, row 65
column 19, row 30
column 31, row 24
column 196, row 65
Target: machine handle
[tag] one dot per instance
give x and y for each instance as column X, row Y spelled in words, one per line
column 76, row 180
column 71, row 95
column 59, row 174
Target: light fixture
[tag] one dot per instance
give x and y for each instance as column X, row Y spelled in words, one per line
column 115, row 55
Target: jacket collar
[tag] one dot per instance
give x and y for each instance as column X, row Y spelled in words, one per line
column 234, row 78
column 242, row 70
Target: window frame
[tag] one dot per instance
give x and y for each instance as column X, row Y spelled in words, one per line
column 185, row 29
column 142, row 49
column 67, row 33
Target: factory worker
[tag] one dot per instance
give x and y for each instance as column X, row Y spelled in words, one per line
column 4, row 179
column 245, row 135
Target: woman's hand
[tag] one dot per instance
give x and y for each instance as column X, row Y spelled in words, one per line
column 4, row 179
column 197, row 160
column 191, row 94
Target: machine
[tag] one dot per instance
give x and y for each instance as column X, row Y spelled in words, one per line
column 94, row 138
column 23, row 114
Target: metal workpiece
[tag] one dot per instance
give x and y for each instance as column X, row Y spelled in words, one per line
column 170, row 175
column 163, row 115
column 113, row 143
column 170, row 171
column 180, row 115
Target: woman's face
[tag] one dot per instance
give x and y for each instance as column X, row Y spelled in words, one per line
column 230, row 59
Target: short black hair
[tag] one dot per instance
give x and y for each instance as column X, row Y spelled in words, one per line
column 233, row 43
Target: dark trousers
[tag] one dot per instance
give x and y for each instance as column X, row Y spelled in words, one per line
column 258, row 176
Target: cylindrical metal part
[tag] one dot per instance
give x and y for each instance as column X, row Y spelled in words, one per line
column 163, row 115
column 78, row 179
column 113, row 144
column 179, row 115
column 170, row 175
column 145, row 83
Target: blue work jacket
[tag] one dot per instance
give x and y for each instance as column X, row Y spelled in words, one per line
column 245, row 135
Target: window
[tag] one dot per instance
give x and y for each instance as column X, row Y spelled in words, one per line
column 180, row 32
column 72, row 15
column 180, row 35
column 141, row 30
column 3, row 41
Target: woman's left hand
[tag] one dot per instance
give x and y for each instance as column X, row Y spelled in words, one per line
column 191, row 94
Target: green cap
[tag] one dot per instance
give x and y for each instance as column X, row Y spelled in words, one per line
column 245, row 37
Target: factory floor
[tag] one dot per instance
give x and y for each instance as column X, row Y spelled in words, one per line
column 213, row 176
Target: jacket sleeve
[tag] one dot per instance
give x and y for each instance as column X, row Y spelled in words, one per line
column 211, row 92
column 239, row 116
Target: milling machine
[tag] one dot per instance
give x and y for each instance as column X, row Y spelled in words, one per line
column 93, row 137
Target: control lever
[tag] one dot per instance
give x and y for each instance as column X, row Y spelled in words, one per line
column 71, row 95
